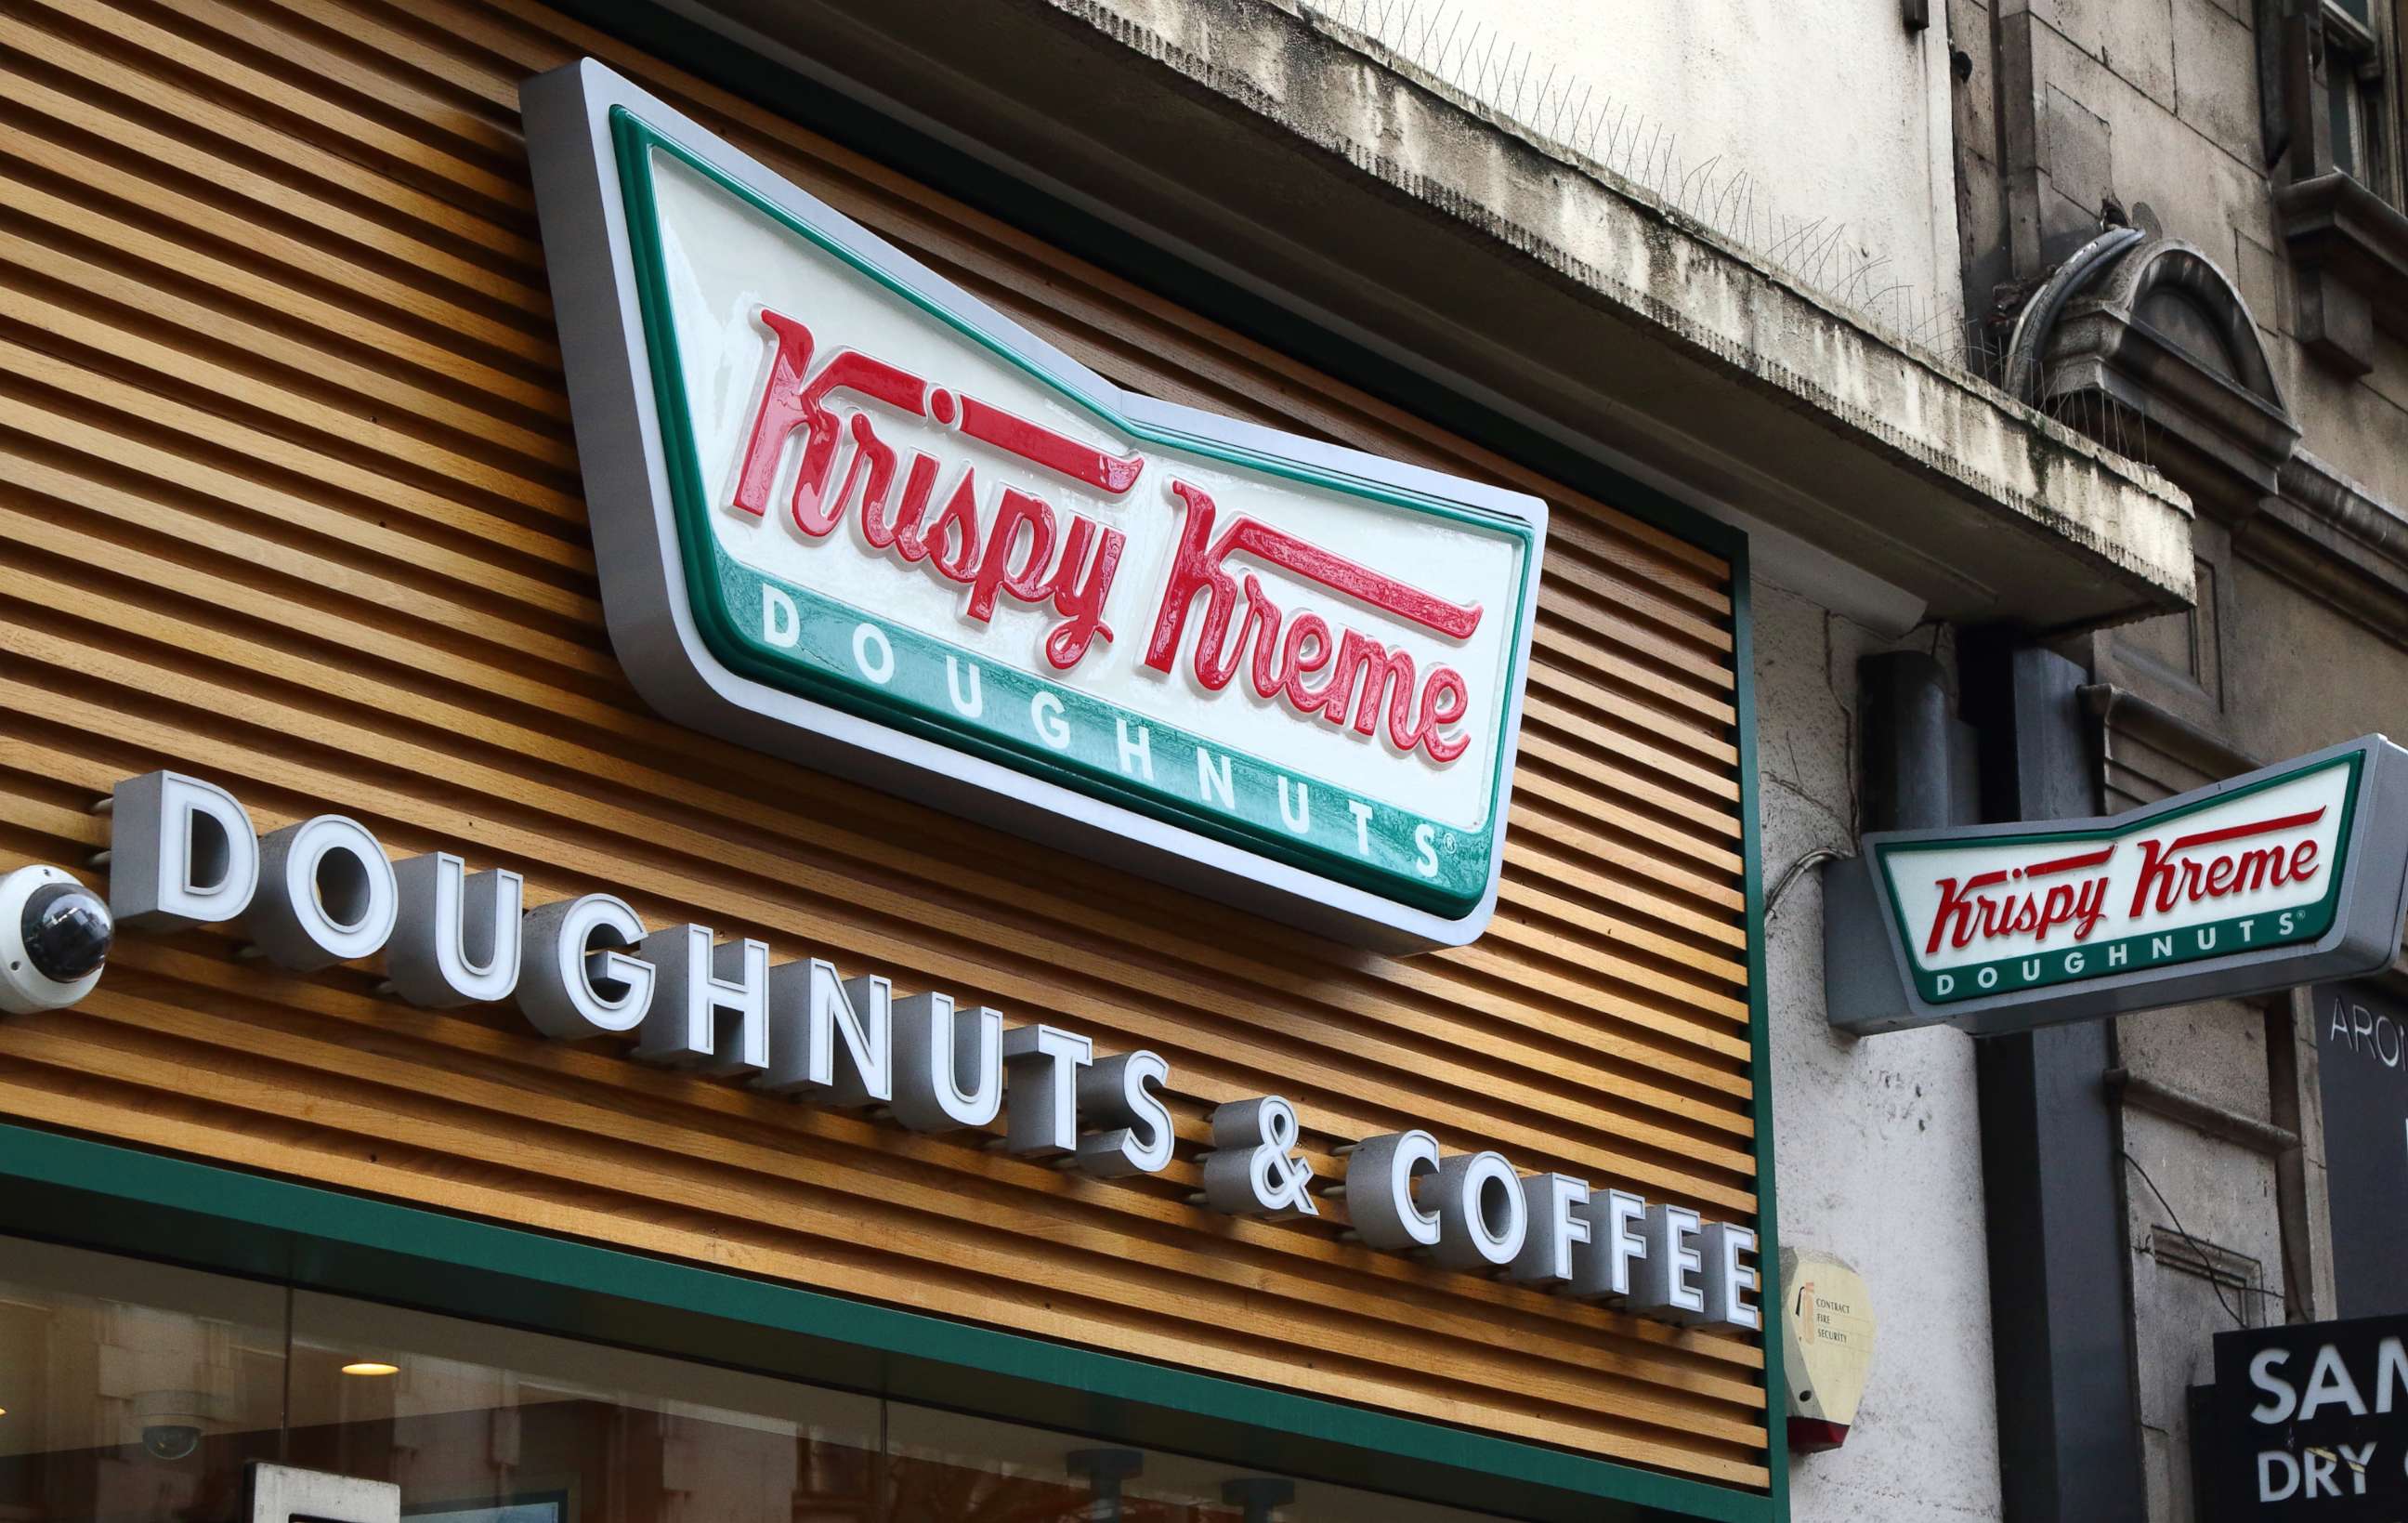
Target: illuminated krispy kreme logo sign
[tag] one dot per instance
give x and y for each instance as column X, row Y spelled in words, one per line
column 874, row 524
column 184, row 853
column 2266, row 880
column 2257, row 869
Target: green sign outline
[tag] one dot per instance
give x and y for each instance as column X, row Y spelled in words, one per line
column 712, row 578
column 2317, row 917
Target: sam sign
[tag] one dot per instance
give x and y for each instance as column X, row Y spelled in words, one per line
column 2287, row 876
column 847, row 513
column 2307, row 1424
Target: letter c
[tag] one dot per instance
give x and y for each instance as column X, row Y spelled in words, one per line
column 1380, row 1175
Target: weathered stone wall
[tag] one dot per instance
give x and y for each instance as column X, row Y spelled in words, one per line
column 1731, row 109
column 1877, row 1142
column 2075, row 112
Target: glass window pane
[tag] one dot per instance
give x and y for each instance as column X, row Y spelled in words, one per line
column 487, row 1425
column 951, row 1468
column 132, row 1391
column 483, row 1425
column 2341, row 100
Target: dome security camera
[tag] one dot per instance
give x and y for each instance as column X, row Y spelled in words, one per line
column 170, row 1440
column 175, row 1422
column 54, row 940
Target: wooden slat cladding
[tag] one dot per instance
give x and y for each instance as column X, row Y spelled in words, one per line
column 292, row 504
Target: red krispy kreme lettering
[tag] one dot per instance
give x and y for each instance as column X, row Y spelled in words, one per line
column 1362, row 672
column 794, row 398
column 2170, row 877
column 1077, row 582
column 2193, row 869
column 1067, row 456
column 1968, row 910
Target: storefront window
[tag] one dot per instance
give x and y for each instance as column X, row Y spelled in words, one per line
column 133, row 1392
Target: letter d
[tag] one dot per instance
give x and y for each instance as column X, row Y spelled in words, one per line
column 2268, row 1461
column 181, row 852
column 782, row 622
column 1944, row 984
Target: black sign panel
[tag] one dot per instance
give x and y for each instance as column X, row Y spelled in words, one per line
column 2362, row 1072
column 2309, row 1424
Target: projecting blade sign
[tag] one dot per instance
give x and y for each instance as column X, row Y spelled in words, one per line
column 847, row 513
column 2286, row 876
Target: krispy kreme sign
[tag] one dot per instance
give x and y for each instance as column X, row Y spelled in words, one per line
column 2252, row 885
column 847, row 512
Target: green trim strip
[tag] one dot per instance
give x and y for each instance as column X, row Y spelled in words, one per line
column 1759, row 1044
column 105, row 1196
column 1385, row 858
column 920, row 699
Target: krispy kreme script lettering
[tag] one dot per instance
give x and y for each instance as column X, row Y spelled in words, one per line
column 2070, row 893
column 1021, row 547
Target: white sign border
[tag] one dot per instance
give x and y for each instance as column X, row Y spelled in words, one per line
column 583, row 219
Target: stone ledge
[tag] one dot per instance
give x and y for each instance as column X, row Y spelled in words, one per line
column 1290, row 155
column 2351, row 248
column 2336, row 542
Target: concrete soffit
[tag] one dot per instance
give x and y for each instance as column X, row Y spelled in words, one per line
column 1276, row 150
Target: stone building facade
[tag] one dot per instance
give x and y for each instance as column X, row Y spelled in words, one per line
column 2181, row 234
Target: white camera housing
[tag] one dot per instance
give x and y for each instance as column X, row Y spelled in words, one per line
column 24, row 987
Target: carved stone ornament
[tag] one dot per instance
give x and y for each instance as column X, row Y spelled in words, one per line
column 2163, row 336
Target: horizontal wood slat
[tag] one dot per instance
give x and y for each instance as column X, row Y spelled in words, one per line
column 292, row 503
